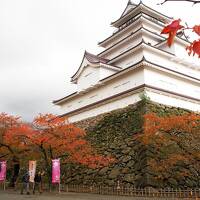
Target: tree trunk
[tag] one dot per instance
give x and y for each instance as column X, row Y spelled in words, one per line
column 15, row 174
column 47, row 165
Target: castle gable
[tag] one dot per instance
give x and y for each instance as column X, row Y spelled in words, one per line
column 128, row 8
column 88, row 60
column 91, row 70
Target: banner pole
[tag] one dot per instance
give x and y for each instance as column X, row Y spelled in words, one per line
column 59, row 187
column 5, row 182
column 3, row 169
column 4, row 185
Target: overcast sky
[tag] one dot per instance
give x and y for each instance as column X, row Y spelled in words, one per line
column 42, row 43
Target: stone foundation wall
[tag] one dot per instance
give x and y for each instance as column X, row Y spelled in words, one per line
column 113, row 134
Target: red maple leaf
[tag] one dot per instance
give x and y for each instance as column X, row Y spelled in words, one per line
column 194, row 48
column 196, row 29
column 172, row 30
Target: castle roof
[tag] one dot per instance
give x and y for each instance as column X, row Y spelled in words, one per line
column 92, row 60
column 129, row 11
column 130, row 5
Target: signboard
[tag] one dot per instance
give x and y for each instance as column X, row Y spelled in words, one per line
column 56, row 171
column 2, row 170
column 32, row 170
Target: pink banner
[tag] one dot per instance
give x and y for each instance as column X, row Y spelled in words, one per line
column 32, row 170
column 56, row 171
column 2, row 170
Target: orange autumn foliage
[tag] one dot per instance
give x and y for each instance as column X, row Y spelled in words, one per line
column 53, row 137
column 186, row 123
column 183, row 131
column 9, row 147
column 70, row 139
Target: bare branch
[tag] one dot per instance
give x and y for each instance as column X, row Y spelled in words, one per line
column 4, row 156
column 191, row 1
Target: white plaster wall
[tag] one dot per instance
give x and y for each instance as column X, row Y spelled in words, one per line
column 133, row 98
column 172, row 82
column 113, row 105
column 169, row 62
column 88, row 77
column 91, row 75
column 105, row 72
column 128, row 100
column 165, row 47
column 151, row 39
column 116, row 86
column 130, row 59
column 130, row 80
column 173, row 101
column 180, row 51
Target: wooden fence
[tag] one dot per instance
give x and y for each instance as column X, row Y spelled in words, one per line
column 134, row 192
column 125, row 191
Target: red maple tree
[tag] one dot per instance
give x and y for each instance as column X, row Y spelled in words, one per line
column 9, row 147
column 12, row 149
column 50, row 137
column 65, row 140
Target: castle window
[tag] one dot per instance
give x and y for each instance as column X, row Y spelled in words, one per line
column 129, row 63
column 117, row 86
column 93, row 96
column 88, row 74
column 126, row 83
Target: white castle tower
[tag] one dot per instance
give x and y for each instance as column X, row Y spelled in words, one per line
column 136, row 60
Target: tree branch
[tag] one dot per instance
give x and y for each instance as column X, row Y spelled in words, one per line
column 4, row 156
column 191, row 1
column 8, row 147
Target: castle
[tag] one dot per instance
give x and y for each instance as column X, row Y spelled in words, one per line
column 136, row 61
